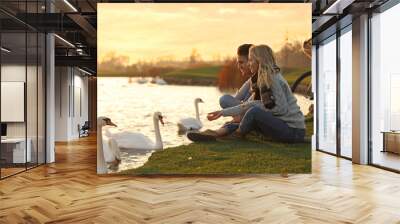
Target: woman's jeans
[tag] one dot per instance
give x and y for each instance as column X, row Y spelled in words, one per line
column 263, row 121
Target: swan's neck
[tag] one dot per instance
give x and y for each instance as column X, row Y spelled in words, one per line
column 196, row 106
column 159, row 144
column 101, row 163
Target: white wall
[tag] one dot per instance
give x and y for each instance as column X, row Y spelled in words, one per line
column 71, row 94
column 11, row 73
column 62, row 81
column 33, row 127
column 16, row 73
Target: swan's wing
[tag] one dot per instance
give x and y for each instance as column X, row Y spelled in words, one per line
column 181, row 127
column 191, row 123
column 109, row 155
column 114, row 148
column 131, row 140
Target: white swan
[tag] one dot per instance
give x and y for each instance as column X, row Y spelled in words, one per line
column 159, row 81
column 138, row 141
column 142, row 80
column 107, row 147
column 190, row 123
column 111, row 150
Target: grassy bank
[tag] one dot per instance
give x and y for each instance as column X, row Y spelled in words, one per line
column 209, row 75
column 206, row 76
column 229, row 157
column 253, row 155
column 208, row 72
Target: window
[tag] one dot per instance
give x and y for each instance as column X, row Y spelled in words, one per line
column 385, row 86
column 327, row 95
column 346, row 95
column 22, row 87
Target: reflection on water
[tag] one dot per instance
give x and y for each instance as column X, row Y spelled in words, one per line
column 131, row 106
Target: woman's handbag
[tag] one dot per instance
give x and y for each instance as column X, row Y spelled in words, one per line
column 264, row 94
column 267, row 97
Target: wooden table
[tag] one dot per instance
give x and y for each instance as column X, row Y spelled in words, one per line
column 16, row 148
column 391, row 141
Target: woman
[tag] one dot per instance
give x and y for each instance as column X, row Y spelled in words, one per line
column 273, row 111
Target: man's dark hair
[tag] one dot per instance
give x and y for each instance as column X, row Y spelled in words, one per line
column 243, row 50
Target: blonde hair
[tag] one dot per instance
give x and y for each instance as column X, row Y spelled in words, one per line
column 266, row 64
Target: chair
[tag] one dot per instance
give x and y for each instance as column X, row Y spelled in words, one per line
column 84, row 130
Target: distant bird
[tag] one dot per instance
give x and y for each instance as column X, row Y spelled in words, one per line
column 159, row 81
column 142, row 80
column 190, row 123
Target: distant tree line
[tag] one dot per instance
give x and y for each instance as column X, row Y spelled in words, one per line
column 117, row 65
column 290, row 56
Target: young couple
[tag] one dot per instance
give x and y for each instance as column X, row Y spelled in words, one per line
column 264, row 103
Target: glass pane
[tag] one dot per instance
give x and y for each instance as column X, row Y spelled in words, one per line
column 346, row 94
column 31, row 87
column 18, row 6
column 31, row 97
column 327, row 96
column 41, row 98
column 13, row 86
column 385, row 84
column 313, row 79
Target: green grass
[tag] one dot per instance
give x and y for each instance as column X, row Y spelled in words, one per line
column 209, row 72
column 253, row 155
column 291, row 74
column 309, row 126
column 229, row 157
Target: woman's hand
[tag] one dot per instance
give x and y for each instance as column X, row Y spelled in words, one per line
column 214, row 115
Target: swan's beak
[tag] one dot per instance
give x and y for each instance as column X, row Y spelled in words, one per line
column 111, row 124
column 161, row 119
column 201, row 101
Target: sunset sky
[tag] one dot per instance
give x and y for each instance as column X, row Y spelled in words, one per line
column 153, row 31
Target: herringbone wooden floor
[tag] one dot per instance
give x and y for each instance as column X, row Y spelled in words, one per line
column 69, row 191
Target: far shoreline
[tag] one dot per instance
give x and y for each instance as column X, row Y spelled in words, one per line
column 193, row 82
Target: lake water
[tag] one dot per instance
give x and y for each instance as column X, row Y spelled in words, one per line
column 131, row 105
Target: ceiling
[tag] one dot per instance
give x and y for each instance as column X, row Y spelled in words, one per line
column 76, row 22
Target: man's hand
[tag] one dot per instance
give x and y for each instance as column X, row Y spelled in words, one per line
column 214, row 115
column 237, row 119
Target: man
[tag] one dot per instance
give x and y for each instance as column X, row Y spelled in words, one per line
column 307, row 47
column 244, row 92
column 226, row 101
